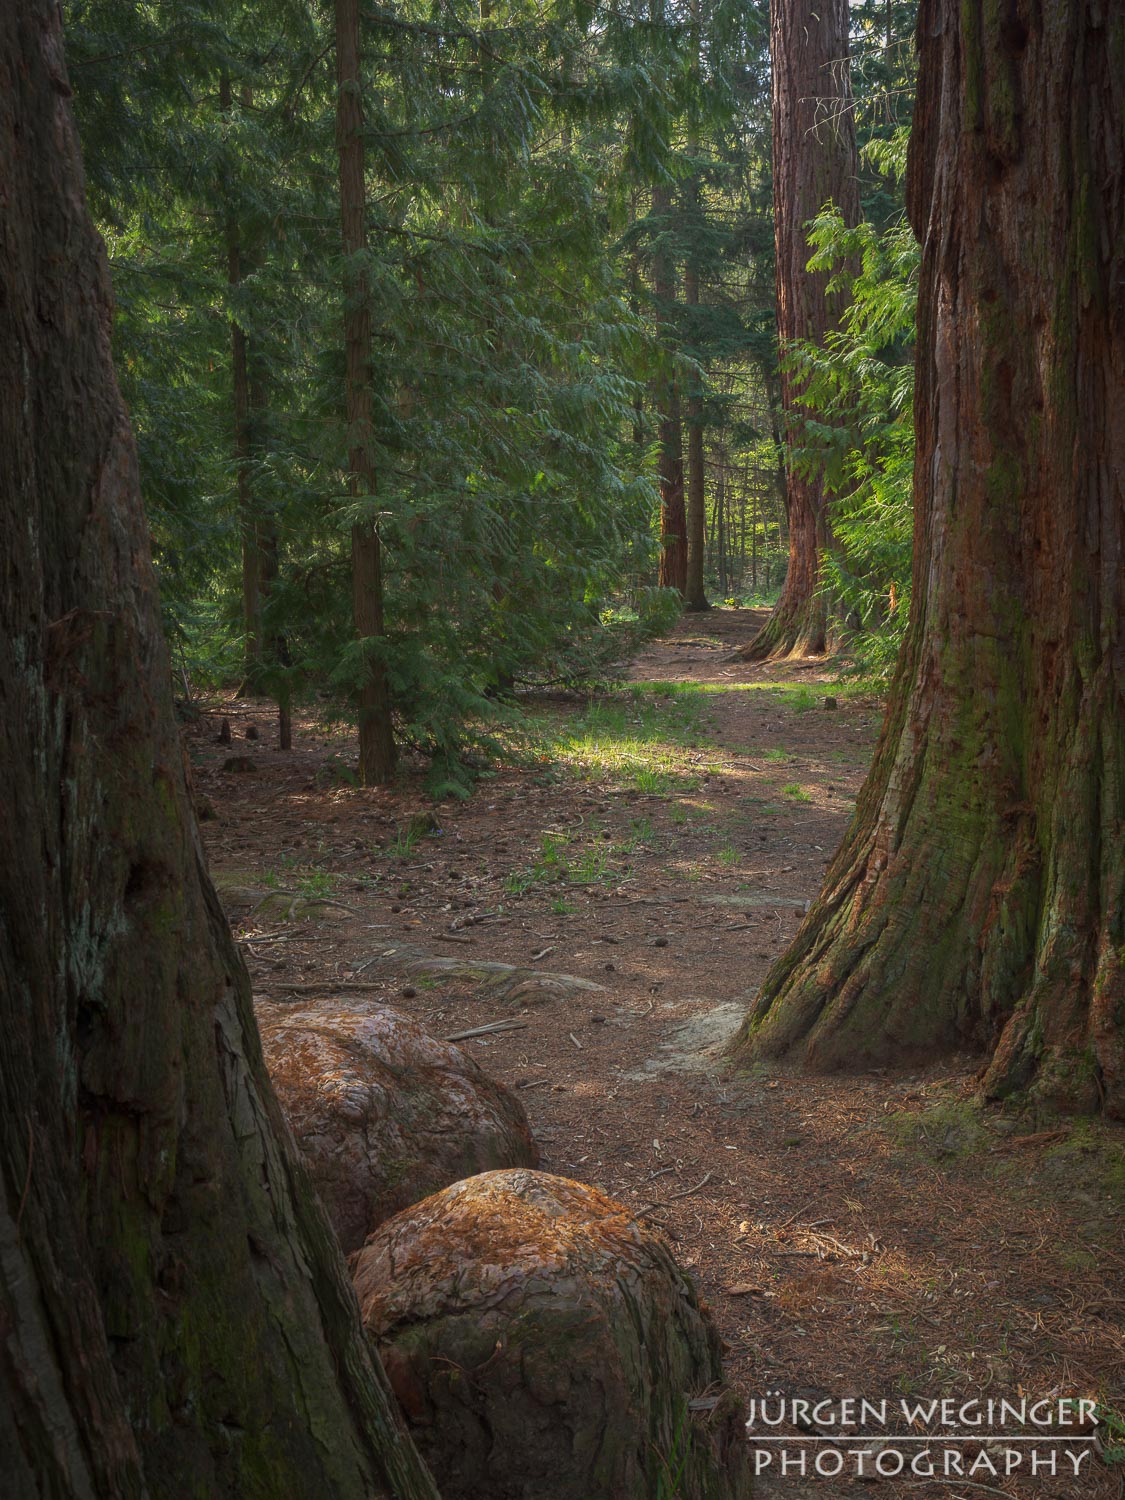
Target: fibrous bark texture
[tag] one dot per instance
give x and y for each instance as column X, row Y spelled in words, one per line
column 814, row 163
column 543, row 1344
column 385, row 1114
column 979, row 898
column 175, row 1317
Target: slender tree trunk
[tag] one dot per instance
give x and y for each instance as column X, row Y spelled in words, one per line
column 673, row 512
column 814, row 161
column 695, row 596
column 177, row 1319
column 240, row 380
column 979, row 898
column 376, row 740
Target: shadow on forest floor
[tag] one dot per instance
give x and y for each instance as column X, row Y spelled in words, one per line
column 876, row 1236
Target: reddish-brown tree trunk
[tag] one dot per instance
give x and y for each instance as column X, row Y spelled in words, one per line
column 814, row 162
column 175, row 1317
column 695, row 596
column 376, row 738
column 979, row 898
column 673, row 510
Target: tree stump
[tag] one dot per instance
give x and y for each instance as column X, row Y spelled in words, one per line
column 544, row 1344
column 383, row 1112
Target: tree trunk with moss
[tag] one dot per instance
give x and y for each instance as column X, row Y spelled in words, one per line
column 175, row 1315
column 814, row 162
column 979, row 897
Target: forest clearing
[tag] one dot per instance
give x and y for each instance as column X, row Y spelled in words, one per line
column 880, row 1234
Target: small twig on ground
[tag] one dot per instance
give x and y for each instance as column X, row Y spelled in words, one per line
column 785, row 1223
column 453, row 937
column 318, row 988
column 672, row 1197
column 575, row 1040
column 660, row 1172
column 488, row 1030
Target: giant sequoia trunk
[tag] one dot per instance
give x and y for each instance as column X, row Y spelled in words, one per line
column 814, row 162
column 979, row 898
column 175, row 1317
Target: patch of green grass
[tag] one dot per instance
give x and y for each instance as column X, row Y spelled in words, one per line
column 641, row 831
column 562, row 908
column 629, row 736
column 590, row 868
column 797, row 793
column 551, row 847
column 777, row 755
column 317, row 883
column 728, row 856
column 677, row 815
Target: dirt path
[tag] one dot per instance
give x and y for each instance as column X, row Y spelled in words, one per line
column 871, row 1237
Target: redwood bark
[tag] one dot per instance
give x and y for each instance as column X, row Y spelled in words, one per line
column 175, row 1317
column 376, row 739
column 979, row 897
column 814, row 162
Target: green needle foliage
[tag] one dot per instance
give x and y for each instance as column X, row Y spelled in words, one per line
column 508, row 147
column 857, row 420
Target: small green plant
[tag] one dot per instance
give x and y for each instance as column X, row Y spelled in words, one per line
column 674, row 1463
column 404, row 845
column 590, row 868
column 562, row 908
column 797, row 793
column 1114, row 1424
column 336, row 772
column 728, row 856
column 317, row 883
column 677, row 815
column 777, row 755
column 551, row 847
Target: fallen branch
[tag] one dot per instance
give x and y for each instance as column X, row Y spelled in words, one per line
column 489, row 1030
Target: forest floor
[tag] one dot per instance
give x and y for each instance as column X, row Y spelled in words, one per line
column 876, row 1236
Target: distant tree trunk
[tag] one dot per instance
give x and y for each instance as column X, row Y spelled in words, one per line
column 979, row 897
column 673, row 513
column 240, row 382
column 176, row 1316
column 695, row 596
column 814, row 161
column 376, row 739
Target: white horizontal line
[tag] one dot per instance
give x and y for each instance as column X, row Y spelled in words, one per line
column 889, row 1440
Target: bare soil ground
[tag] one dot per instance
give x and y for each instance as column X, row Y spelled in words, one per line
column 877, row 1236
